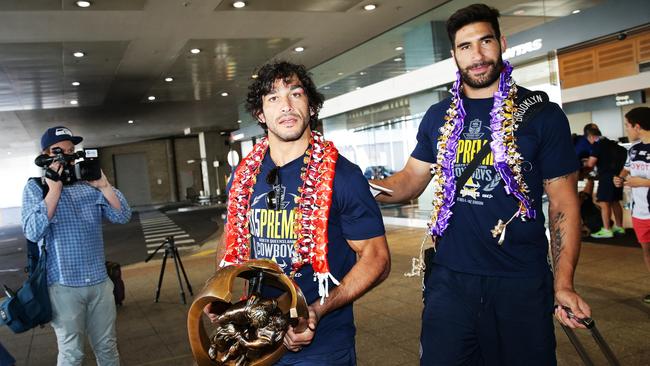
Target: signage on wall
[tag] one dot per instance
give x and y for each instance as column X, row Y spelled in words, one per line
column 624, row 99
column 522, row 49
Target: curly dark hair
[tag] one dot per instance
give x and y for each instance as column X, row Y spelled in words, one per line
column 472, row 14
column 268, row 74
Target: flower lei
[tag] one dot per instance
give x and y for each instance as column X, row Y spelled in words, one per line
column 311, row 211
column 507, row 160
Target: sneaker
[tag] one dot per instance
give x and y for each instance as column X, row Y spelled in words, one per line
column 602, row 234
column 617, row 230
column 646, row 299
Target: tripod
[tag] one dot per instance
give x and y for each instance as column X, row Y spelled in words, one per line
column 171, row 250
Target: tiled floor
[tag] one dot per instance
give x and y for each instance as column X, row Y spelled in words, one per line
column 611, row 278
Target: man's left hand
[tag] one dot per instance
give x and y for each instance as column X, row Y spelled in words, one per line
column 294, row 340
column 100, row 183
column 570, row 299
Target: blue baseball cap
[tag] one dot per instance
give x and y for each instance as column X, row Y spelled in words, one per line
column 58, row 134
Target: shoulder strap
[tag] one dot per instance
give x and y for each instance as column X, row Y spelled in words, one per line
column 527, row 107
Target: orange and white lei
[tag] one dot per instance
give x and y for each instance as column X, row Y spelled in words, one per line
column 311, row 211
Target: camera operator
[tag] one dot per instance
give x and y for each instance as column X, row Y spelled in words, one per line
column 69, row 219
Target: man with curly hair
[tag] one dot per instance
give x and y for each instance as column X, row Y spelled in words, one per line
column 310, row 210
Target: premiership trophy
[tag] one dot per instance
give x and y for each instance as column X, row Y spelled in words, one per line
column 249, row 331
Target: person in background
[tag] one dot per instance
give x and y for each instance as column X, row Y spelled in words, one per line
column 605, row 157
column 636, row 175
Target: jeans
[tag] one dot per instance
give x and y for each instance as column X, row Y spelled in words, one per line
column 78, row 312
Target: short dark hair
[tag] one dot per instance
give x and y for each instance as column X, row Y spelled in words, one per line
column 266, row 77
column 472, row 14
column 639, row 116
column 591, row 129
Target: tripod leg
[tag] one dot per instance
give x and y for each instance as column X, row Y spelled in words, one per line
column 178, row 275
column 160, row 277
column 189, row 287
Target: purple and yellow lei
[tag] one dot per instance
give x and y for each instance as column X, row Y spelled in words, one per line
column 507, row 160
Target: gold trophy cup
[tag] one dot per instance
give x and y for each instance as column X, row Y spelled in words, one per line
column 250, row 331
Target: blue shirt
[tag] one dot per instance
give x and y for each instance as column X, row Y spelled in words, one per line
column 354, row 215
column 467, row 245
column 73, row 237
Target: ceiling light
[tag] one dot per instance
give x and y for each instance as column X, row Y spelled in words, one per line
column 399, row 48
column 575, row 11
column 370, row 7
column 362, row 73
column 299, row 49
column 339, row 73
column 130, row 121
column 254, row 76
column 78, row 54
column 397, row 59
column 151, row 97
column 239, row 121
column 169, row 79
column 76, row 83
column 238, row 4
column 358, row 87
column 83, row 4
column 195, row 51
column 224, row 94
column 326, row 87
column 8, row 152
column 74, row 102
column 519, row 12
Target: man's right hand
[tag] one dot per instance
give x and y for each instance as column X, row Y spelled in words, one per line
column 618, row 181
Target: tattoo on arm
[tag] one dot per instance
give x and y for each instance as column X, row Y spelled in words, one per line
column 557, row 236
column 551, row 180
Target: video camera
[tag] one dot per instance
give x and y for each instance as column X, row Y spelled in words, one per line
column 88, row 169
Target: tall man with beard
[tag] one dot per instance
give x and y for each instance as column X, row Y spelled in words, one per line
column 349, row 259
column 489, row 298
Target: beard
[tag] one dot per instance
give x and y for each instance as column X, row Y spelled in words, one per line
column 290, row 135
column 485, row 80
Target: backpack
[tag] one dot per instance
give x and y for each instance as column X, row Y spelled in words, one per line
column 30, row 305
column 32, row 248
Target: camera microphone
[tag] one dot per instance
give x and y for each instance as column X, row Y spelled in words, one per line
column 43, row 160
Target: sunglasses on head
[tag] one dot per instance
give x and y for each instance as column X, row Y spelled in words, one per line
column 274, row 195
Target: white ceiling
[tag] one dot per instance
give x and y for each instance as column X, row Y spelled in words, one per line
column 132, row 45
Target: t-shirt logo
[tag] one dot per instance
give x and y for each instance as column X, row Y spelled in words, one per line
column 474, row 130
column 470, row 189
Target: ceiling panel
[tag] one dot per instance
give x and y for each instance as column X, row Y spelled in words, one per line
column 224, row 65
column 292, row 5
column 39, row 73
column 45, row 5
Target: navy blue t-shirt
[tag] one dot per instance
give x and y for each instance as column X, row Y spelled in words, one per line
column 354, row 215
column 467, row 245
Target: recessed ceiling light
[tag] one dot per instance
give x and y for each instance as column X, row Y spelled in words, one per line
column 8, row 152
column 519, row 12
column 130, row 121
column 370, row 7
column 397, row 59
column 299, row 49
column 339, row 73
column 195, row 51
column 362, row 73
column 399, row 48
column 78, row 54
column 254, row 76
column 151, row 97
column 83, row 4
column 169, row 79
column 224, row 94
column 239, row 121
column 238, row 4
column 74, row 102
column 575, row 11
column 326, row 87
column 76, row 83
